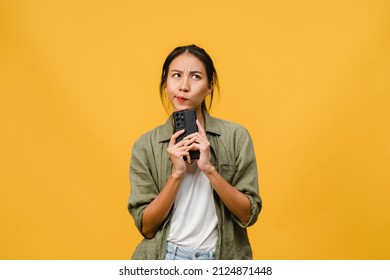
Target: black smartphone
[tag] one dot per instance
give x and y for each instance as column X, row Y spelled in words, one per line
column 186, row 120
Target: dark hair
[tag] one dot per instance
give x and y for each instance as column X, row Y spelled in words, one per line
column 202, row 55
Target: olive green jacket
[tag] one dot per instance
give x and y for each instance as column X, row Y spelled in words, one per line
column 233, row 156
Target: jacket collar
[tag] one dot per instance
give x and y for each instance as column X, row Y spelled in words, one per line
column 210, row 123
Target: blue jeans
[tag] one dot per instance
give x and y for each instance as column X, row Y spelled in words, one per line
column 176, row 252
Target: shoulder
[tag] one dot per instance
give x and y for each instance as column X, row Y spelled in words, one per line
column 230, row 128
column 152, row 133
column 150, row 137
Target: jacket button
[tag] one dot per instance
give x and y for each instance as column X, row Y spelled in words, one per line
column 197, row 254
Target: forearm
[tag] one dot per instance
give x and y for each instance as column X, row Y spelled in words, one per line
column 157, row 211
column 237, row 202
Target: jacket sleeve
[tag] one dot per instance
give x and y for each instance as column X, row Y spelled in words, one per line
column 143, row 187
column 246, row 175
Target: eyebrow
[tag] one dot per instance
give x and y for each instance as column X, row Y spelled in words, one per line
column 191, row 72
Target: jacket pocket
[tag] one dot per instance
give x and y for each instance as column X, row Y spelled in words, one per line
column 228, row 171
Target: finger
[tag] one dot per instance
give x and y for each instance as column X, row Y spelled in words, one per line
column 199, row 145
column 175, row 150
column 200, row 128
column 189, row 139
column 189, row 160
column 193, row 147
column 179, row 154
column 175, row 136
column 195, row 138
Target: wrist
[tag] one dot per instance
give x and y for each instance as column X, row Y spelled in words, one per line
column 208, row 170
column 177, row 174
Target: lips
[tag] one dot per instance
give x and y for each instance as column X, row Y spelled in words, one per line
column 181, row 99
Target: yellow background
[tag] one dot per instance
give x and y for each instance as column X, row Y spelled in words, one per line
column 309, row 79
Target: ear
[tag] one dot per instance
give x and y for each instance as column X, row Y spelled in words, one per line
column 210, row 88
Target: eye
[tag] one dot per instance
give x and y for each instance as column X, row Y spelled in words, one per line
column 196, row 77
column 176, row 75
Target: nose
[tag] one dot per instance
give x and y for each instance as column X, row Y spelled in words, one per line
column 185, row 85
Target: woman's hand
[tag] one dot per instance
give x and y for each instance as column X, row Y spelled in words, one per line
column 157, row 211
column 237, row 202
column 176, row 153
column 198, row 141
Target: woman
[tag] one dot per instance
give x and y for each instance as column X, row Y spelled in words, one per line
column 193, row 208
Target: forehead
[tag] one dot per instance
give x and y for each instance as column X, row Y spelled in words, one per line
column 187, row 61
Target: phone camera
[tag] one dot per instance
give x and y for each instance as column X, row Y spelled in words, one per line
column 179, row 119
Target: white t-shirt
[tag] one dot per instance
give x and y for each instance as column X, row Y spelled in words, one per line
column 194, row 221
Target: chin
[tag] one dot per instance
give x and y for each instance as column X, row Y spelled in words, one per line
column 182, row 107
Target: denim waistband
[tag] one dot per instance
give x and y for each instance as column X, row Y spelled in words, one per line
column 176, row 252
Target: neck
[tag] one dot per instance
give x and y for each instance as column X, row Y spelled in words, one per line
column 200, row 116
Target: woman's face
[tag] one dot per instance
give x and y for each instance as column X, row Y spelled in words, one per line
column 187, row 84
